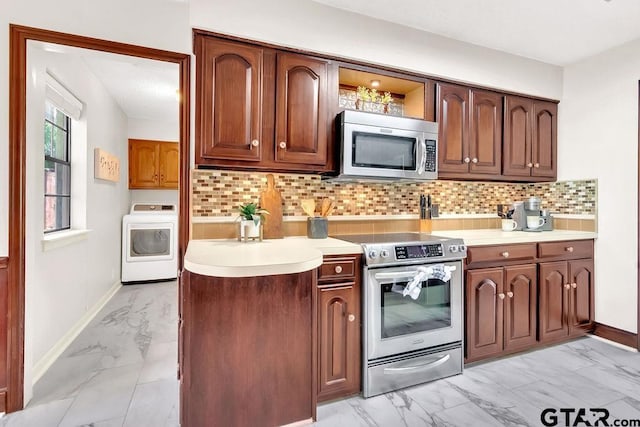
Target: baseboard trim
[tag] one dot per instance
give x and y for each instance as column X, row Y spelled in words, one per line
column 616, row 335
column 42, row 365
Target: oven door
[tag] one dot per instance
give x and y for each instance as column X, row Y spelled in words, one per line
column 385, row 153
column 397, row 324
column 150, row 242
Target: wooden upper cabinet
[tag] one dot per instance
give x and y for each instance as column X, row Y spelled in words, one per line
column 153, row 164
column 453, row 135
column 229, row 105
column 517, row 136
column 485, row 140
column 470, row 131
column 169, row 160
column 544, row 139
column 143, row 164
column 530, row 138
column 301, row 109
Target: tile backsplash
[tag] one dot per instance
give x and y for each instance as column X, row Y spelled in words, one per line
column 217, row 193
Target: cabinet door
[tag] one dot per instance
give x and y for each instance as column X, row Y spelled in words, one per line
column 484, row 322
column 339, row 340
column 544, row 139
column 302, row 127
column 581, row 309
column 485, row 142
column 453, row 119
column 554, row 296
column 520, row 309
column 229, row 115
column 169, row 164
column 517, row 136
column 143, row 164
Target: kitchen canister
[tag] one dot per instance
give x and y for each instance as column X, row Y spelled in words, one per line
column 317, row 227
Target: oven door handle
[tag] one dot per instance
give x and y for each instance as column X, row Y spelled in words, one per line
column 411, row 369
column 396, row 275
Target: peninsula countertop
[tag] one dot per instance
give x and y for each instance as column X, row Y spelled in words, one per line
column 231, row 258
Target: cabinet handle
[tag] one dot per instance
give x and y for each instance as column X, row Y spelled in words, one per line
column 351, row 318
column 161, row 178
column 474, row 160
column 255, row 143
column 338, row 269
column 505, row 254
column 282, row 145
column 537, row 165
column 529, row 165
column 467, row 160
column 567, row 286
column 501, row 295
column 155, row 176
column 510, row 294
column 574, row 285
column 569, row 249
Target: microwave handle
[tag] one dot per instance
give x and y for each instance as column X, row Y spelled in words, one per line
column 422, row 163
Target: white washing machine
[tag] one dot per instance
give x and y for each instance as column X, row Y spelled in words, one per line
column 150, row 243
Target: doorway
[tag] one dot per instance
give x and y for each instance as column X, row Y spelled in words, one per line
column 19, row 37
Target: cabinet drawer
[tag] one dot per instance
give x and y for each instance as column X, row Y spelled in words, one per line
column 500, row 254
column 572, row 249
column 337, row 268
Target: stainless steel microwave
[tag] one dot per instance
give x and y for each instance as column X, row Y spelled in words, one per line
column 380, row 146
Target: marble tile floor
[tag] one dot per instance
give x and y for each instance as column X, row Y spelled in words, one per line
column 121, row 371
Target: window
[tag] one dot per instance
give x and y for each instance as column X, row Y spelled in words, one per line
column 57, row 169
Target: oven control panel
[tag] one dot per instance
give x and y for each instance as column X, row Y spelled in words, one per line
column 419, row 251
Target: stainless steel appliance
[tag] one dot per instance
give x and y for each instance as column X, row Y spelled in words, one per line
column 380, row 146
column 410, row 341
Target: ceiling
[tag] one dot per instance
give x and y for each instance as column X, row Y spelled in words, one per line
column 143, row 88
column 557, row 32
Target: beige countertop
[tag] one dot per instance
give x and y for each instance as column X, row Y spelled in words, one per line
column 230, row 258
column 499, row 237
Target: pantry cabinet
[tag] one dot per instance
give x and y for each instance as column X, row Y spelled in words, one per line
column 470, row 132
column 339, row 323
column 153, row 164
column 520, row 296
column 261, row 108
column 530, row 138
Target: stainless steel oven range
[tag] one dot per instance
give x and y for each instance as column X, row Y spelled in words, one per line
column 412, row 309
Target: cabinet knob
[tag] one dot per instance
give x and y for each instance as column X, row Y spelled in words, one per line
column 161, row 178
column 338, row 269
column 510, row 294
column 467, row 160
column 474, row 160
column 255, row 143
column 537, row 165
column 505, row 254
column 351, row 318
column 282, row 145
column 574, row 285
column 569, row 249
column 529, row 165
column 501, row 295
column 567, row 286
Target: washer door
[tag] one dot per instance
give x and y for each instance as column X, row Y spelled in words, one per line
column 150, row 242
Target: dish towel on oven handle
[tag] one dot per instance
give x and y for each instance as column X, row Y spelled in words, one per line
column 437, row 271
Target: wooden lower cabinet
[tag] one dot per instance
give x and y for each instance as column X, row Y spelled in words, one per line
column 500, row 310
column 339, row 325
column 566, row 299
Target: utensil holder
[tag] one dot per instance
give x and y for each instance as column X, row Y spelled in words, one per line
column 317, row 227
column 426, row 226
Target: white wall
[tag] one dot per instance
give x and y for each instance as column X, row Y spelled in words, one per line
column 313, row 26
column 63, row 283
column 159, row 131
column 598, row 138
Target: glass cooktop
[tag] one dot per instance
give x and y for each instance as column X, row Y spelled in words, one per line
column 394, row 238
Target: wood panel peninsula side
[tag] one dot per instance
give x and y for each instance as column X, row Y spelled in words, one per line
column 248, row 333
